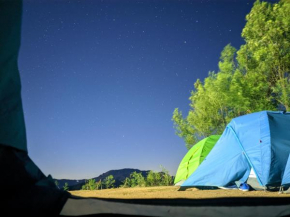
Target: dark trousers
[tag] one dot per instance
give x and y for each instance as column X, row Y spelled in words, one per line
column 25, row 190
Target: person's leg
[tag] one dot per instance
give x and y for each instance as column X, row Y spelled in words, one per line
column 12, row 127
column 27, row 191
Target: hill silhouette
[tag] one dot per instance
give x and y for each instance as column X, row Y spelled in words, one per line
column 119, row 176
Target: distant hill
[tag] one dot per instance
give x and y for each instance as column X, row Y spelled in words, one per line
column 119, row 176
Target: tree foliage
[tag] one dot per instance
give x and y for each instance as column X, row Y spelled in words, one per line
column 109, row 181
column 134, row 180
column 167, row 179
column 254, row 78
column 65, row 187
column 214, row 102
column 153, row 179
column 92, row 184
column 266, row 53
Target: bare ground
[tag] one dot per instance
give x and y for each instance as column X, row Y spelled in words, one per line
column 171, row 192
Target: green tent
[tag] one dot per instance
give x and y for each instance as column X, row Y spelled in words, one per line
column 194, row 157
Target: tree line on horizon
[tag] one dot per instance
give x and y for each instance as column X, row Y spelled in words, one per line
column 135, row 179
column 251, row 79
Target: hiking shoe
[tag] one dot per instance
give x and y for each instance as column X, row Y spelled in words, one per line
column 244, row 187
column 229, row 187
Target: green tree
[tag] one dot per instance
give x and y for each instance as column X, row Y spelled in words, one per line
column 92, row 184
column 162, row 178
column 126, row 183
column 214, row 102
column 254, row 78
column 134, row 180
column 85, row 187
column 184, row 129
column 65, row 187
column 99, row 184
column 153, row 179
column 167, row 179
column 109, row 181
column 265, row 56
column 137, row 179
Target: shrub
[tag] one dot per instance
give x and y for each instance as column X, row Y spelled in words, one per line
column 91, row 184
column 65, row 187
column 153, row 179
column 109, row 181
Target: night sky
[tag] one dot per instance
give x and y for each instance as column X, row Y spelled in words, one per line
column 100, row 79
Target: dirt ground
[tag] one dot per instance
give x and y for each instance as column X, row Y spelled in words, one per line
column 171, row 192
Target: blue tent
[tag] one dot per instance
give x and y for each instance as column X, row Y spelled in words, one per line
column 258, row 141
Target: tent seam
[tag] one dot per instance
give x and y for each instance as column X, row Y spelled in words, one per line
column 248, row 159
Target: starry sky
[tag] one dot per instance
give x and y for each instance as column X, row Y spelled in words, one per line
column 101, row 79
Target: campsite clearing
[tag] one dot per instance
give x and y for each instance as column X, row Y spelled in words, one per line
column 171, row 192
